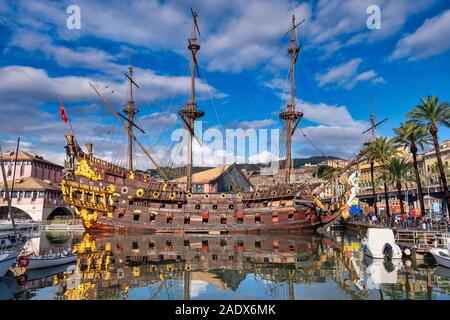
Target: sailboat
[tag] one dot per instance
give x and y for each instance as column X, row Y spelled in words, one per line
column 120, row 199
column 10, row 245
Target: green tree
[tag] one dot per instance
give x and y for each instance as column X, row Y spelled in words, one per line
column 380, row 150
column 431, row 115
column 413, row 136
column 397, row 170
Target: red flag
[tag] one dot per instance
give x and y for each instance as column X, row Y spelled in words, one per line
column 62, row 112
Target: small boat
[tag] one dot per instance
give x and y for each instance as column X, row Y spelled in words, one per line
column 380, row 243
column 6, row 225
column 442, row 256
column 7, row 258
column 51, row 260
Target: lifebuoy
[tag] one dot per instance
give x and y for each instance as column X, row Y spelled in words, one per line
column 23, row 261
column 189, row 195
column 120, row 273
column 223, row 195
column 140, row 192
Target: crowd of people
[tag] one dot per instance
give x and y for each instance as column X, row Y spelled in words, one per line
column 405, row 220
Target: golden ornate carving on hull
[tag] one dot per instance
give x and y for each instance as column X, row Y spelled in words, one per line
column 84, row 170
column 87, row 216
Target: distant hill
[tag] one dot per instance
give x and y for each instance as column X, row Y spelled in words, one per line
column 173, row 173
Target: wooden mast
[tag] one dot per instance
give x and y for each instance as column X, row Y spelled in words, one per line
column 290, row 115
column 7, row 191
column 130, row 111
column 190, row 112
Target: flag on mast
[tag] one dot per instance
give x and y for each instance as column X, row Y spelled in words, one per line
column 62, row 112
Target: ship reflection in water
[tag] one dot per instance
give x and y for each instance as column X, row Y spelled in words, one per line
column 223, row 267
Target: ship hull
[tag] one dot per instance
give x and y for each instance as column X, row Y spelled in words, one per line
column 303, row 225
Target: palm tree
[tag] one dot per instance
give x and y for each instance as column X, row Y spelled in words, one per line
column 411, row 135
column 380, row 150
column 397, row 170
column 431, row 115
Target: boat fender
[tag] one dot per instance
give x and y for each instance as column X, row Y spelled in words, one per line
column 407, row 252
column 65, row 253
column 188, row 267
column 23, row 261
column 120, row 273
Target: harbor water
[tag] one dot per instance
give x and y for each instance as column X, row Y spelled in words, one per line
column 177, row 267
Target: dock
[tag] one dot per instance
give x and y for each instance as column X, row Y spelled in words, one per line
column 419, row 242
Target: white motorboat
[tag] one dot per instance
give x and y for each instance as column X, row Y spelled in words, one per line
column 380, row 243
column 442, row 256
column 51, row 260
column 7, row 258
column 6, row 225
column 380, row 272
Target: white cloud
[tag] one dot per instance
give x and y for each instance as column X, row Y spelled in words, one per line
column 28, row 84
column 339, row 22
column 346, row 75
column 251, row 35
column 431, row 38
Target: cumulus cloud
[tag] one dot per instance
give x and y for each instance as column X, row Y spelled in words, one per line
column 346, row 75
column 430, row 39
column 28, row 84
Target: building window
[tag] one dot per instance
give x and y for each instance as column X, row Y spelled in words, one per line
column 136, row 217
column 22, row 170
column 214, row 206
column 41, row 194
column 27, row 194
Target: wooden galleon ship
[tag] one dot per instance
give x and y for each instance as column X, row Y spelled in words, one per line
column 119, row 199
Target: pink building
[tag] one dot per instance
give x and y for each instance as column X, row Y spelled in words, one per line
column 37, row 191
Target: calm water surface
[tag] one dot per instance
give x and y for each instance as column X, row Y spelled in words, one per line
column 222, row 267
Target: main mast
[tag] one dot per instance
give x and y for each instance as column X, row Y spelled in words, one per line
column 130, row 111
column 290, row 115
column 190, row 113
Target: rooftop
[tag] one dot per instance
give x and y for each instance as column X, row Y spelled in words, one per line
column 26, row 156
column 32, row 184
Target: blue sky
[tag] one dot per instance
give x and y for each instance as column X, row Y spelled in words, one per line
column 244, row 69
